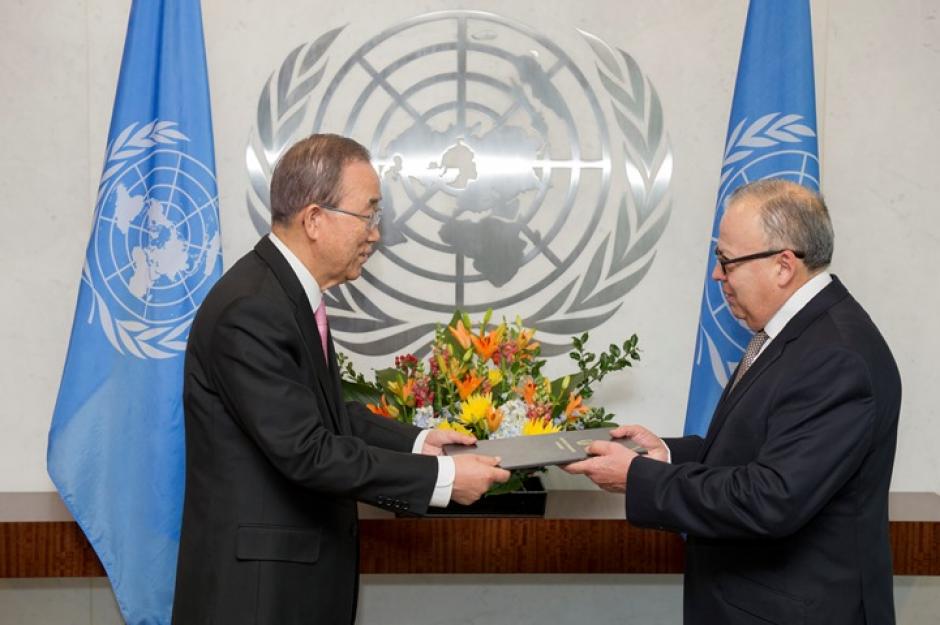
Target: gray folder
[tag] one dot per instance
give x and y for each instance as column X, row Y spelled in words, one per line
column 525, row 452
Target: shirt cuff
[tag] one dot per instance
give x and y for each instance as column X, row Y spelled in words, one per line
column 419, row 441
column 668, row 453
column 446, row 472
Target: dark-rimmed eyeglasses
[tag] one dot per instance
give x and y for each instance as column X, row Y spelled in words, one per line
column 724, row 262
column 372, row 221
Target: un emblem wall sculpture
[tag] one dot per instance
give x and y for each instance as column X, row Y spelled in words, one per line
column 511, row 178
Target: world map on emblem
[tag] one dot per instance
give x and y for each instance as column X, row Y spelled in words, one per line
column 491, row 146
column 156, row 241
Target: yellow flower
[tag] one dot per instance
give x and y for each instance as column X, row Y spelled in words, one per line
column 534, row 427
column 495, row 376
column 456, row 427
column 475, row 408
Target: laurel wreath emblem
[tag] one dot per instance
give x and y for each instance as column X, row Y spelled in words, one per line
column 135, row 337
column 618, row 263
column 282, row 106
column 617, row 266
column 765, row 132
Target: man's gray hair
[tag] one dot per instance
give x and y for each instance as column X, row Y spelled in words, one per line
column 311, row 172
column 793, row 217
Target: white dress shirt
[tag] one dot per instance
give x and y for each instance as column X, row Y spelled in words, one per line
column 446, row 471
column 793, row 305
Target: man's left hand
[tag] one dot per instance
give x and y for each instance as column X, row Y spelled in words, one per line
column 436, row 439
column 608, row 466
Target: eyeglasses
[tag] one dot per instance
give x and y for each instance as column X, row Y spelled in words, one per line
column 372, row 221
column 724, row 262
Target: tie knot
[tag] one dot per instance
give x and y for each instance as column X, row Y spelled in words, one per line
column 750, row 354
column 757, row 341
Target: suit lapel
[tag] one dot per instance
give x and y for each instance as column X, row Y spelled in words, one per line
column 731, row 397
column 822, row 302
column 306, row 321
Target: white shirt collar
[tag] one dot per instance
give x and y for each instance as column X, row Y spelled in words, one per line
column 795, row 304
column 307, row 281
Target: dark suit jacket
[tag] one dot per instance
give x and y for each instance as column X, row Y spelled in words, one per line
column 275, row 461
column 785, row 502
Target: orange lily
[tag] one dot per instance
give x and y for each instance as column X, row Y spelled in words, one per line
column 575, row 407
column 494, row 418
column 383, row 409
column 467, row 385
column 404, row 391
column 461, row 333
column 524, row 343
column 488, row 344
column 528, row 392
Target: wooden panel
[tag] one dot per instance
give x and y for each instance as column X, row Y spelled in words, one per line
column 516, row 546
column 916, row 547
column 46, row 549
column 488, row 545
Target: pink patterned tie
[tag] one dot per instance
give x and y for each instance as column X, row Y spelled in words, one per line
column 322, row 326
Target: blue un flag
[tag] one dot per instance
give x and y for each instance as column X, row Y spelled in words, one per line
column 771, row 134
column 116, row 447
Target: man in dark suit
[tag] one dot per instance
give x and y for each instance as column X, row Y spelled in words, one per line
column 785, row 501
column 275, row 461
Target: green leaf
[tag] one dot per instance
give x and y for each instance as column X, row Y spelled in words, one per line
column 512, row 484
column 384, row 376
column 364, row 393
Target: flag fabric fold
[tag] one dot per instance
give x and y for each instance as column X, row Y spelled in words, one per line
column 771, row 134
column 116, row 444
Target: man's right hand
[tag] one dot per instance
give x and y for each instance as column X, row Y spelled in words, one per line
column 474, row 474
column 655, row 447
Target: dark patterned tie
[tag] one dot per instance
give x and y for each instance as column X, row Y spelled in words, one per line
column 750, row 355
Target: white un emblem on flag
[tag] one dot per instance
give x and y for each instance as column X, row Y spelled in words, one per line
column 155, row 242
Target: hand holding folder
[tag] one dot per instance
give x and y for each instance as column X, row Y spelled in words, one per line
column 526, row 452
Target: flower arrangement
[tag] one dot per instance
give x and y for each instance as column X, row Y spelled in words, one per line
column 489, row 383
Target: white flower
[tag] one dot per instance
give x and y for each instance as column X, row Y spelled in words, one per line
column 424, row 417
column 514, row 416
